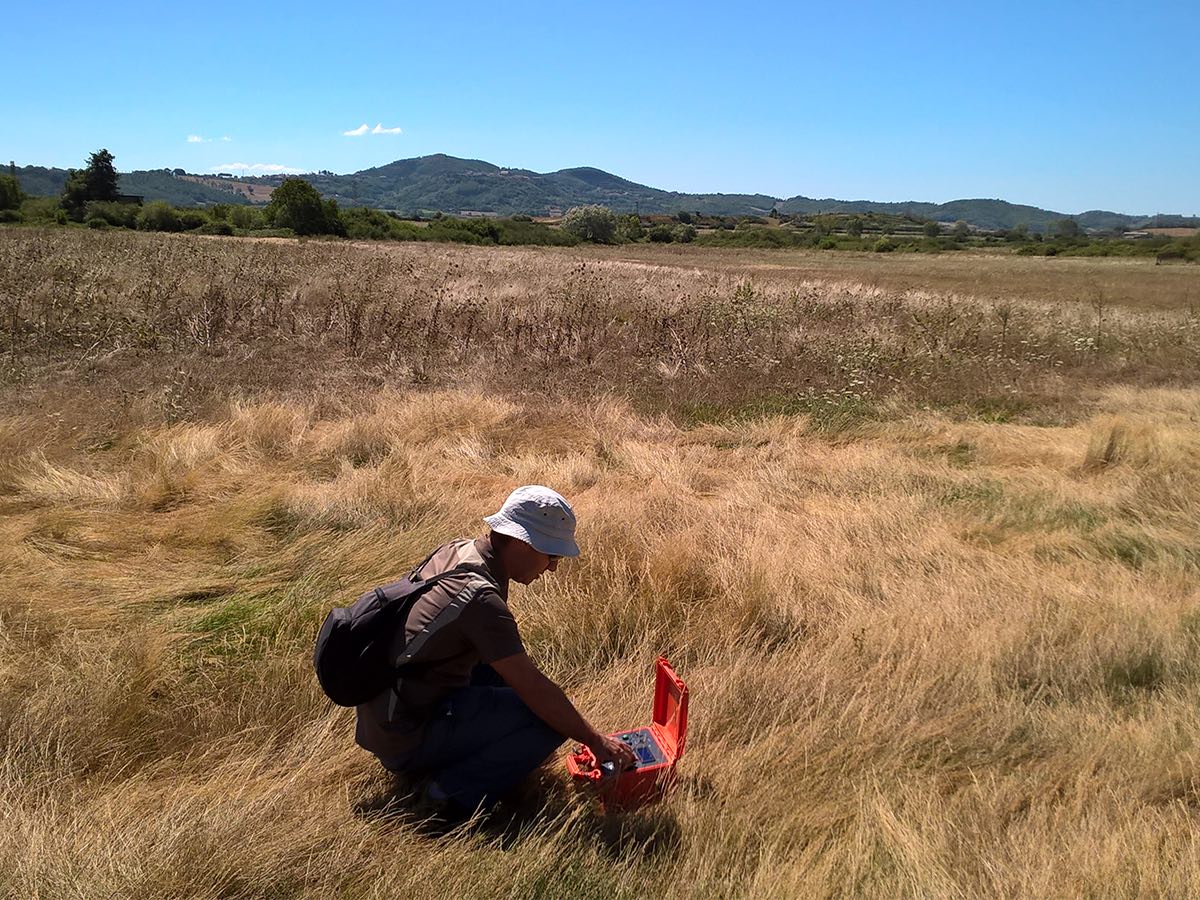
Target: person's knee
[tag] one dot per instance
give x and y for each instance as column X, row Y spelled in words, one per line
column 547, row 739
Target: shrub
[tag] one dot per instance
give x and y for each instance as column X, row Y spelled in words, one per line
column 159, row 216
column 662, row 234
column 594, row 223
column 40, row 209
column 368, row 224
column 191, row 220
column 246, row 218
column 931, row 229
column 122, row 215
column 756, row 237
column 683, row 234
column 10, row 193
column 885, row 245
column 515, row 232
column 630, row 228
column 96, row 222
column 215, row 228
column 11, row 215
column 295, row 204
column 463, row 231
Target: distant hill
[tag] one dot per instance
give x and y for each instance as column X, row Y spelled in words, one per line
column 441, row 183
column 155, row 184
column 449, row 184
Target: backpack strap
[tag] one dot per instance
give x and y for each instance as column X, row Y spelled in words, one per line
column 445, row 616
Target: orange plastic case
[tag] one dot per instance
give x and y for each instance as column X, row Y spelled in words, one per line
column 657, row 747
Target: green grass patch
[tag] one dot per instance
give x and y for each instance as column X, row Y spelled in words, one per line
column 961, row 454
column 826, row 413
column 986, row 494
column 243, row 624
column 1000, row 408
column 1004, row 514
column 1138, row 672
column 248, row 624
column 278, row 518
column 1135, row 549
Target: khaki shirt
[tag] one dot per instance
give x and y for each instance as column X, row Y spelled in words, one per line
column 390, row 726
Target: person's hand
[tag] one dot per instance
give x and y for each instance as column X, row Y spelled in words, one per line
column 609, row 749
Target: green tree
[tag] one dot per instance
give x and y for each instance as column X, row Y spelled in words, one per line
column 854, row 227
column 961, row 230
column 96, row 182
column 10, row 193
column 594, row 223
column 629, row 228
column 295, row 204
column 1067, row 228
column 158, row 215
column 931, row 229
column 244, row 217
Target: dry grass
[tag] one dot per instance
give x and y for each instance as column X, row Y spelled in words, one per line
column 996, row 276
column 932, row 653
column 707, row 334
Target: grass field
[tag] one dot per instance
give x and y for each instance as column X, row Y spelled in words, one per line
column 924, row 547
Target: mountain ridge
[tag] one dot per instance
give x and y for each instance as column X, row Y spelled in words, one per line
column 443, row 183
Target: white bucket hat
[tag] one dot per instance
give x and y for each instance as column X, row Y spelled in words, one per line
column 540, row 517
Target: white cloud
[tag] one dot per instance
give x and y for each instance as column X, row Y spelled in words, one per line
column 195, row 139
column 226, row 139
column 364, row 128
column 257, row 169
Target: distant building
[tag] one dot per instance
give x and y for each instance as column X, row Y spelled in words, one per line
column 475, row 214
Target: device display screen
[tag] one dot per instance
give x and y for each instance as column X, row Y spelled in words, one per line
column 644, row 747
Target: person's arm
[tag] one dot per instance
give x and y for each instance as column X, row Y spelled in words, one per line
column 551, row 705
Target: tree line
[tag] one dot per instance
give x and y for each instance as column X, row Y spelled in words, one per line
column 91, row 197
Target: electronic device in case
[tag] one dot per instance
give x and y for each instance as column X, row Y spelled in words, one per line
column 657, row 749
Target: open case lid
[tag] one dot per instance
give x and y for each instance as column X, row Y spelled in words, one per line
column 670, row 708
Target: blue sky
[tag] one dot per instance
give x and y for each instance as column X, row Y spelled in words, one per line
column 1064, row 105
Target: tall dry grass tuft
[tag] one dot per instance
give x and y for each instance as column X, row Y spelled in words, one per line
column 928, row 657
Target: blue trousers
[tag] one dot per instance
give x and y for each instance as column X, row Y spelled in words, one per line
column 482, row 742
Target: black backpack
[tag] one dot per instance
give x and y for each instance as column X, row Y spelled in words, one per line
column 351, row 656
